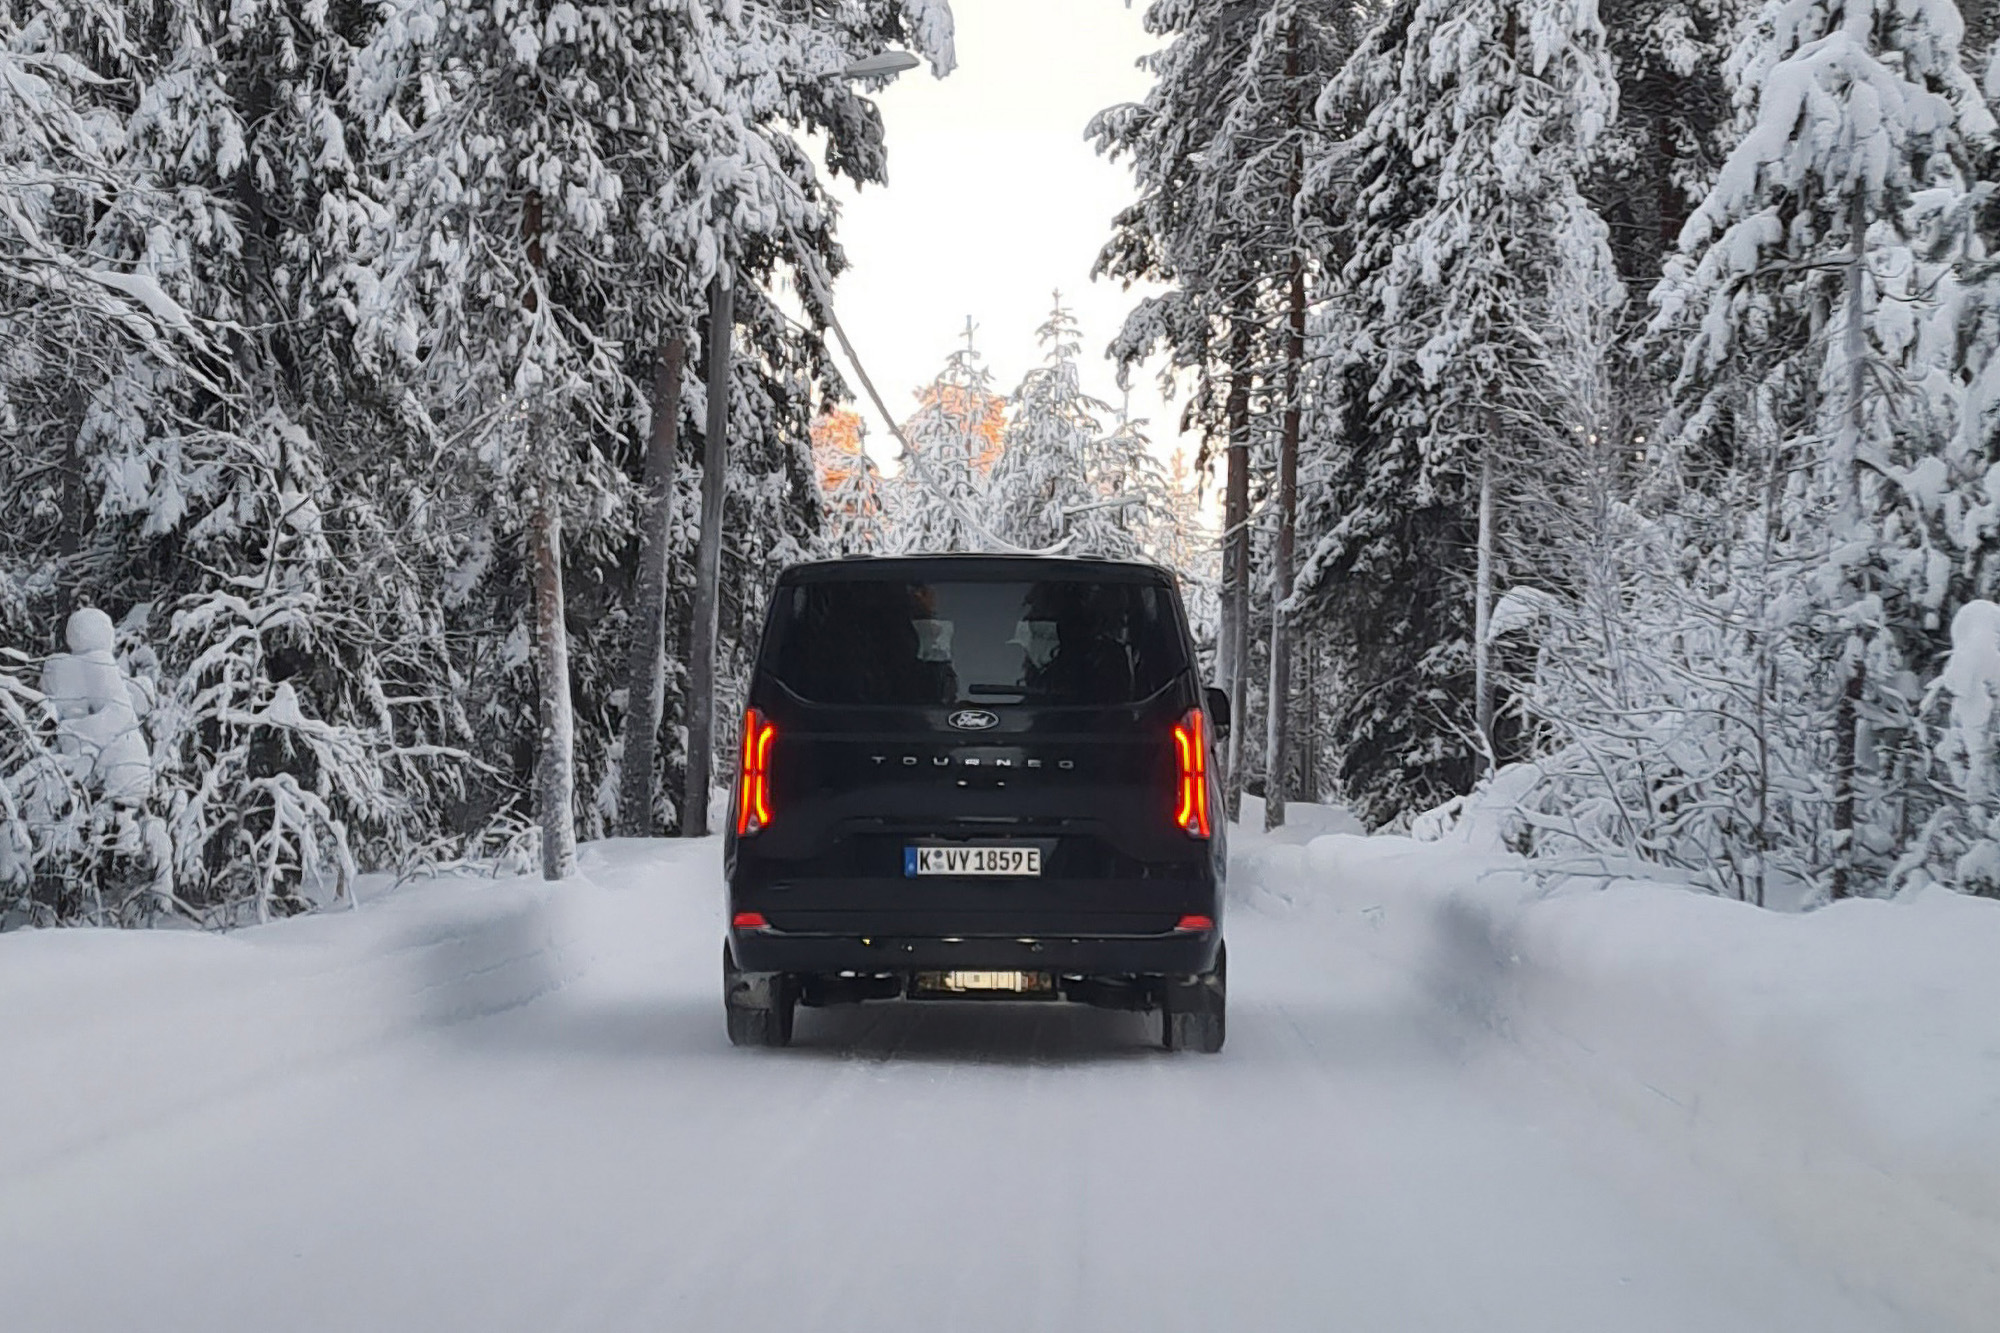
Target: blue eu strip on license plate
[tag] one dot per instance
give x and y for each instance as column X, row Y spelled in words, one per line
column 909, row 863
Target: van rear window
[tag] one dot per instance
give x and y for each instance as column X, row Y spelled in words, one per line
column 1052, row 641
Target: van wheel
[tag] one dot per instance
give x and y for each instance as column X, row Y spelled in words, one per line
column 759, row 1006
column 1193, row 1010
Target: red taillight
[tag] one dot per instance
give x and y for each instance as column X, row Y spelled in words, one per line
column 749, row 921
column 1191, row 753
column 753, row 774
column 1194, row 921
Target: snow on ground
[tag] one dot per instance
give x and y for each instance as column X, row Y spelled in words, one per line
column 1449, row 1102
column 1840, row 1068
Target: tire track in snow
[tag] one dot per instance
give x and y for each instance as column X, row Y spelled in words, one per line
column 735, row 1240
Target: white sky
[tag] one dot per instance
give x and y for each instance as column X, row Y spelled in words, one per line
column 994, row 201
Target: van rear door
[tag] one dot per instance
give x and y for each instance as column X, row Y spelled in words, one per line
column 1031, row 703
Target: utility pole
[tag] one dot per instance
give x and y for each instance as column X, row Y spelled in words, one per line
column 708, row 565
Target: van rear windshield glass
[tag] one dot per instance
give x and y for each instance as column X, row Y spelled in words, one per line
column 1053, row 641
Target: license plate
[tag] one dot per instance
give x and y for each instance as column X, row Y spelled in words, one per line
column 974, row 983
column 919, row 861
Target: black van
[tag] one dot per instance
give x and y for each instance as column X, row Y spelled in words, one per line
column 977, row 777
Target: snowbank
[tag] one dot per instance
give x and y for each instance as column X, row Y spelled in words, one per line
column 107, row 1030
column 1841, row 1068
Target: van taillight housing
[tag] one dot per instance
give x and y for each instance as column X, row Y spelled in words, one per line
column 753, row 774
column 1191, row 754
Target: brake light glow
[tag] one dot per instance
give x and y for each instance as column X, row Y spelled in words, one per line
column 753, row 774
column 1191, row 752
column 1195, row 921
column 749, row 921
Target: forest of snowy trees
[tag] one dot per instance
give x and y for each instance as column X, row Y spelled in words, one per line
column 1635, row 365
column 1047, row 469
column 330, row 337
column 1602, row 396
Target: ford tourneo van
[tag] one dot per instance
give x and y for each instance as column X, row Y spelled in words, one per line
column 976, row 777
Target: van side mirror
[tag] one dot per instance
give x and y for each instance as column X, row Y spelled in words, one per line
column 1218, row 709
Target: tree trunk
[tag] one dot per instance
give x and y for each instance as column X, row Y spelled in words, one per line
column 555, row 779
column 1235, row 647
column 708, row 567
column 646, row 670
column 1847, row 712
column 1482, row 609
column 1277, row 750
column 1278, row 702
column 1309, row 769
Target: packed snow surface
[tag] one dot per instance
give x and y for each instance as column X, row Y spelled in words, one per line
column 1449, row 1101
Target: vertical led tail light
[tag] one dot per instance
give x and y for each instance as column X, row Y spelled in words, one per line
column 753, row 774
column 1191, row 754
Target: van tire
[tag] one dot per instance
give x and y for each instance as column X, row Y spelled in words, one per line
column 1194, row 1011
column 758, row 1006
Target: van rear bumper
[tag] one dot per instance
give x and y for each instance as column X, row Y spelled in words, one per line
column 1174, row 953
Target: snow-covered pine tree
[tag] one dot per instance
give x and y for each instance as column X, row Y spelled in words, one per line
column 558, row 186
column 1658, row 155
column 856, row 522
column 1063, row 481
column 1464, row 227
column 849, row 482
column 1959, row 842
column 937, row 501
column 1213, row 149
column 1175, row 233
column 210, row 215
column 1809, row 278
column 1048, row 488
column 1158, row 519
column 854, row 512
column 180, row 469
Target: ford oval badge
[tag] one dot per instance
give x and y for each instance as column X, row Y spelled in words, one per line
column 974, row 719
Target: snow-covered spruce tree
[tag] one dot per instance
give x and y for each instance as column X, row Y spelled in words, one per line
column 1653, row 164
column 1175, row 233
column 1063, row 481
column 938, row 500
column 1048, row 488
column 558, row 186
column 100, row 311
column 165, row 449
column 1810, row 277
column 1188, row 547
column 854, row 514
column 1464, row 227
column 1646, row 754
column 850, row 484
column 1658, row 156
column 489, row 271
column 1214, row 150
column 1157, row 519
column 1959, row 843
column 39, row 799
column 205, row 224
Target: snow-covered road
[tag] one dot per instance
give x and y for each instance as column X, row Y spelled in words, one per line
column 599, row 1158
